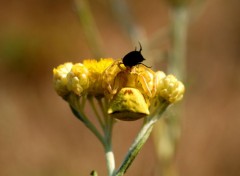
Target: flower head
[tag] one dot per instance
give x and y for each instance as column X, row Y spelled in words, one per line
column 130, row 91
column 60, row 78
column 170, row 89
column 78, row 79
column 96, row 68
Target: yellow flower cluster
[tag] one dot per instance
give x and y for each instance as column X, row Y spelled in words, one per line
column 80, row 78
column 169, row 88
column 129, row 91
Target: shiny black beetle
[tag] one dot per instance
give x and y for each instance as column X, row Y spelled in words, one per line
column 133, row 58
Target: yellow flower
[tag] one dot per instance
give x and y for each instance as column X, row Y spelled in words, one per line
column 78, row 81
column 128, row 104
column 170, row 88
column 96, row 68
column 159, row 76
column 130, row 92
column 60, row 78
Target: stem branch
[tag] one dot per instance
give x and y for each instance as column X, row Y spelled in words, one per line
column 135, row 148
column 87, row 123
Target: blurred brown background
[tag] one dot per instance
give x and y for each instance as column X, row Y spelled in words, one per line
column 40, row 137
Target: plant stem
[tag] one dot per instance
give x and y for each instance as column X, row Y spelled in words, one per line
column 135, row 148
column 110, row 159
column 81, row 116
column 168, row 132
column 140, row 140
column 89, row 27
column 178, row 35
column 108, row 147
column 121, row 11
column 107, row 128
column 91, row 101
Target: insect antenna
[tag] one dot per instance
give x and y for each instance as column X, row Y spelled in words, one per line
column 140, row 47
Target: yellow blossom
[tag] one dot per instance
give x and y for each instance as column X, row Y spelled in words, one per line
column 130, row 92
column 170, row 88
column 96, row 68
column 160, row 75
column 60, row 78
column 78, row 80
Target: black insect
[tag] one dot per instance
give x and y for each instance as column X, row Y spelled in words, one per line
column 133, row 58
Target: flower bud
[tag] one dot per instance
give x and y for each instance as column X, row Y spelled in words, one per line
column 60, row 78
column 128, row 104
column 78, row 79
column 170, row 89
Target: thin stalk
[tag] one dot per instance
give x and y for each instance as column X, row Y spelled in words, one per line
column 83, row 102
column 122, row 13
column 178, row 37
column 109, row 122
column 87, row 123
column 107, row 138
column 168, row 133
column 109, row 158
column 140, row 140
column 135, row 148
column 89, row 27
column 108, row 148
column 91, row 100
column 102, row 107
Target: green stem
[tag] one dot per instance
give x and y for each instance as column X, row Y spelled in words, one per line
column 161, row 109
column 102, row 107
column 89, row 27
column 87, row 123
column 121, row 11
column 178, row 35
column 91, row 100
column 140, row 140
column 108, row 126
column 169, row 132
column 135, row 148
